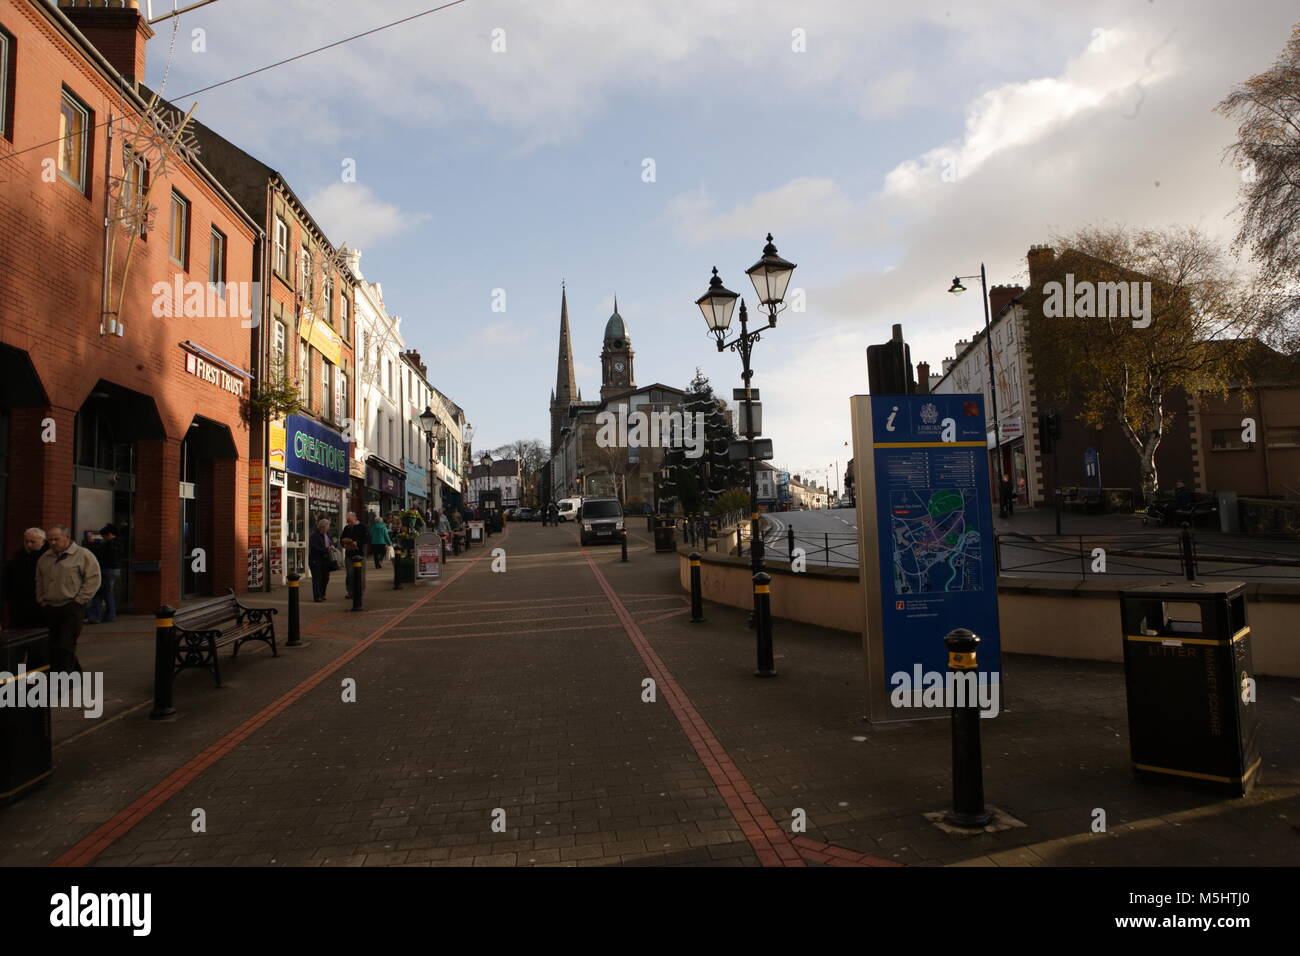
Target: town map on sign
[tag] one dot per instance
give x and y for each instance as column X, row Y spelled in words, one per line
column 936, row 542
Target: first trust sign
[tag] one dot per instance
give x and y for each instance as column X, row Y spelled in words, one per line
column 316, row 452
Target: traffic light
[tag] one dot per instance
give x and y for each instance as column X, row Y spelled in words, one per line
column 1049, row 430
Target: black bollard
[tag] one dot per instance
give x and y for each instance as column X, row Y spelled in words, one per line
column 295, row 621
column 697, row 590
column 397, row 573
column 164, row 656
column 358, row 581
column 455, row 543
column 967, row 767
column 763, row 608
column 789, row 537
column 622, row 540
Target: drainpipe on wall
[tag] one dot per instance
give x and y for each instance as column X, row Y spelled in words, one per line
column 107, row 296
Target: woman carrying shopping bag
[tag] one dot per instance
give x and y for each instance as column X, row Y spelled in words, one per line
column 380, row 540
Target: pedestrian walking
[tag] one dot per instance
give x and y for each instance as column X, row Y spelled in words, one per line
column 320, row 559
column 380, row 541
column 108, row 552
column 20, row 581
column 355, row 538
column 1007, row 496
column 67, row 577
column 444, row 526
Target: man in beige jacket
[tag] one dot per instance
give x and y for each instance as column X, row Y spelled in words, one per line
column 67, row 577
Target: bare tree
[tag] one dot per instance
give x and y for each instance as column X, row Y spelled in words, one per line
column 1202, row 324
column 532, row 455
column 1267, row 151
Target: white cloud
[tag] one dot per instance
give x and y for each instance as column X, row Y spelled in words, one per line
column 801, row 202
column 351, row 213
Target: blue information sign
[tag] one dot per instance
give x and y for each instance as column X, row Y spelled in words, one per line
column 934, row 530
column 315, row 452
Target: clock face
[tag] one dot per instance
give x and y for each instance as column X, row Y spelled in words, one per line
column 619, row 366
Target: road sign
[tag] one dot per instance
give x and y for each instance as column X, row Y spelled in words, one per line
column 738, row 394
column 742, row 420
column 926, row 558
column 1092, row 465
column 739, row 450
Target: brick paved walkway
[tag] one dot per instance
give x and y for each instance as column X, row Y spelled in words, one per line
column 516, row 699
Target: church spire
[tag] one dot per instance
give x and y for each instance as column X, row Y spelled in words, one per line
column 566, row 386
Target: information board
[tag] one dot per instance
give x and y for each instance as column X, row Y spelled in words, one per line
column 428, row 556
column 475, row 530
column 926, row 547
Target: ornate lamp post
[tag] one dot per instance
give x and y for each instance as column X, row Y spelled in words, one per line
column 771, row 277
column 467, row 435
column 434, row 432
column 957, row 289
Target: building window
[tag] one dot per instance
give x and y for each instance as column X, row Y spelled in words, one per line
column 341, row 406
column 326, row 390
column 6, row 84
column 1283, row 437
column 304, row 273
column 344, row 314
column 74, row 135
column 277, row 346
column 217, row 257
column 281, row 263
column 1227, row 439
column 304, row 374
column 327, row 307
column 180, row 231
column 135, row 181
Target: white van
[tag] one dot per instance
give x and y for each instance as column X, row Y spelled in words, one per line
column 567, row 508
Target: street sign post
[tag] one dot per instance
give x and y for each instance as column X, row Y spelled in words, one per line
column 925, row 546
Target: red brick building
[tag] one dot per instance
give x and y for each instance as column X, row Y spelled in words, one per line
column 308, row 297
column 120, row 400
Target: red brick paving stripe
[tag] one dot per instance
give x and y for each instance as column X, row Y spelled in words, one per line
column 545, row 630
column 664, row 617
column 837, row 855
column 508, row 620
column 85, row 851
column 764, row 836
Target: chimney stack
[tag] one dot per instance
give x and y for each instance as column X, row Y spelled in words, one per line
column 1000, row 296
column 1040, row 260
column 116, row 29
column 923, row 378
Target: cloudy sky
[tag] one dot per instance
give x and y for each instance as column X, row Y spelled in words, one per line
column 886, row 146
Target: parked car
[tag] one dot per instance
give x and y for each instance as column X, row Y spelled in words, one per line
column 524, row 514
column 600, row 519
column 567, row 508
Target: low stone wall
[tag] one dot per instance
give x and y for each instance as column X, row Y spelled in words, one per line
column 1068, row 619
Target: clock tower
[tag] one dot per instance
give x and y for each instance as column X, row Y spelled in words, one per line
column 616, row 357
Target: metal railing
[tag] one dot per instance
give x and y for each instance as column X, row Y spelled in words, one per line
column 1149, row 554
column 819, row 547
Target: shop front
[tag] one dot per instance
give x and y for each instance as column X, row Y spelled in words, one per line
column 312, row 486
column 385, row 487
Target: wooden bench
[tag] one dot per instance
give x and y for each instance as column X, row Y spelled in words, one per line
column 200, row 630
column 1082, row 499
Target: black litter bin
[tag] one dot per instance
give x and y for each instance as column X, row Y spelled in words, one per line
column 26, row 754
column 1188, row 673
column 665, row 534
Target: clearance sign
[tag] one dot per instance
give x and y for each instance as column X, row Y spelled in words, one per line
column 315, row 452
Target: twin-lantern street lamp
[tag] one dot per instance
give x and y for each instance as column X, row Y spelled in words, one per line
column 771, row 278
column 957, row 289
column 434, row 432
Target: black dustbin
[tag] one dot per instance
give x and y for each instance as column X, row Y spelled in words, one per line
column 1189, row 677
column 665, row 534
column 26, row 754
